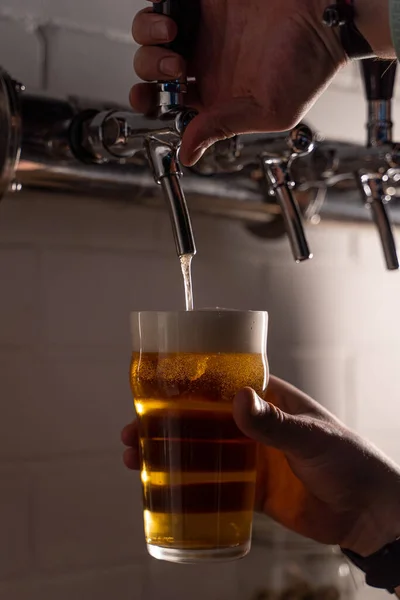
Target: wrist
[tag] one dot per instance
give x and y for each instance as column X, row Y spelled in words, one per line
column 373, row 541
column 373, row 22
column 375, row 529
column 378, row 523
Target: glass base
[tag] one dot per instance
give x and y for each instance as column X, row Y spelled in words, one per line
column 199, row 556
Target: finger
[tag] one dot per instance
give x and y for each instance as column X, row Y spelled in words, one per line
column 291, row 400
column 143, row 97
column 152, row 63
column 150, row 29
column 129, row 435
column 299, row 436
column 239, row 115
column 131, row 459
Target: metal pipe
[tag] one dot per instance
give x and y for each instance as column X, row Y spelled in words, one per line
column 45, row 149
column 234, row 197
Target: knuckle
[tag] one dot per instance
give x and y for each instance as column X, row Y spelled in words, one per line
column 276, row 415
column 273, row 417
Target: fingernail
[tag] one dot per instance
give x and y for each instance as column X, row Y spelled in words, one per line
column 159, row 31
column 170, row 66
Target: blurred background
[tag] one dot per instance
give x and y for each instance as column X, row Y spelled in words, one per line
column 72, row 270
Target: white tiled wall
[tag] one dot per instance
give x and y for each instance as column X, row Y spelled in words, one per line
column 71, row 270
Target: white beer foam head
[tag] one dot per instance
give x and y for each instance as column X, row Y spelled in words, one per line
column 201, row 331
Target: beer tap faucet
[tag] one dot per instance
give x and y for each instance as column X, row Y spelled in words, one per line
column 379, row 79
column 276, row 153
column 277, row 173
column 116, row 136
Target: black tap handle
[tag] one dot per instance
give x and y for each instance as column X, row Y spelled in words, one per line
column 186, row 14
column 379, row 78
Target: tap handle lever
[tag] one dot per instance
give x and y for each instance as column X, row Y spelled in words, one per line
column 186, row 14
column 372, row 189
column 379, row 78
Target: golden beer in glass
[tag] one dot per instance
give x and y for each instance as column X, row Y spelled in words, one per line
column 198, row 469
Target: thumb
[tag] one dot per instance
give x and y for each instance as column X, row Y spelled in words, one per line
column 296, row 435
column 240, row 115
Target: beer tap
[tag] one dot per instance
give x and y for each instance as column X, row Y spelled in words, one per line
column 276, row 154
column 277, row 173
column 118, row 135
column 379, row 79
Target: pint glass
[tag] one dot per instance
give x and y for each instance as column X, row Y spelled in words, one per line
column 198, row 470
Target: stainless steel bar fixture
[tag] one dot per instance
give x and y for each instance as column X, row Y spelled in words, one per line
column 76, row 147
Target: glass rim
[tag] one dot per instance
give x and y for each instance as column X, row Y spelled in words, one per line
column 200, row 310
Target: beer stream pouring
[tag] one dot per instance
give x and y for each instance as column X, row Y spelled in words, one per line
column 117, row 136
